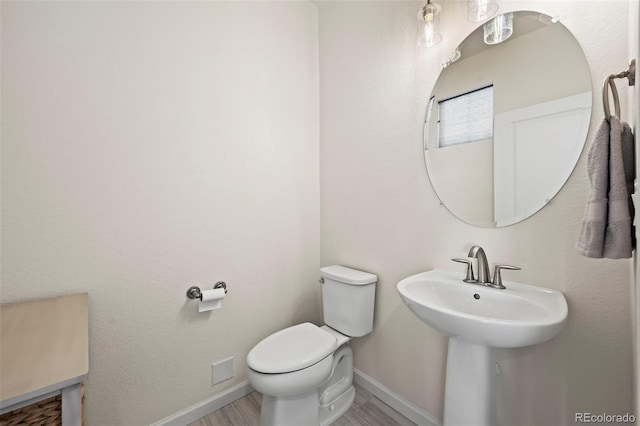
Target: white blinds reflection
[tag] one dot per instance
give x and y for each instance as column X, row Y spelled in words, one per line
column 466, row 118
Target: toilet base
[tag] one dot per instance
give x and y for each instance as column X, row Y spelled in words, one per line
column 303, row 409
column 322, row 405
column 330, row 413
column 295, row 410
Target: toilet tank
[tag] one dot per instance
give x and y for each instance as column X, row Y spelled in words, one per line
column 347, row 299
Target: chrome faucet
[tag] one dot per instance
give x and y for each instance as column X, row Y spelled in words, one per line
column 484, row 276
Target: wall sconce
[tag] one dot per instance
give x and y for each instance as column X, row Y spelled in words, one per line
column 429, row 25
column 498, row 29
column 454, row 56
column 480, row 10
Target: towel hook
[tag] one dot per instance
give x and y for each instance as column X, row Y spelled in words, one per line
column 608, row 82
column 629, row 74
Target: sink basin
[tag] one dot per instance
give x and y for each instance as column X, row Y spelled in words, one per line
column 520, row 315
column 477, row 320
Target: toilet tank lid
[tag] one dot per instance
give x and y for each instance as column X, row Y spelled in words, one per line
column 347, row 275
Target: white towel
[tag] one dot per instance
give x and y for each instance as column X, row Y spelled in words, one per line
column 606, row 227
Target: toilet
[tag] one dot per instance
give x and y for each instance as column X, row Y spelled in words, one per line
column 305, row 372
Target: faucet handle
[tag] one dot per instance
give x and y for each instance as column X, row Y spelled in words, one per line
column 469, row 278
column 497, row 276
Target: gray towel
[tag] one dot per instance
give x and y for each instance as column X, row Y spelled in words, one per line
column 618, row 240
column 606, row 227
column 594, row 223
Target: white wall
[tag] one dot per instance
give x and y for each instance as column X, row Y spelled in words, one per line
column 380, row 214
column 149, row 146
column 634, row 105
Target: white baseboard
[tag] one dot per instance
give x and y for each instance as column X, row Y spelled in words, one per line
column 395, row 401
column 208, row 406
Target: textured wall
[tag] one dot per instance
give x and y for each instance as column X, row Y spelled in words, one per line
column 380, row 214
column 149, row 146
column 633, row 104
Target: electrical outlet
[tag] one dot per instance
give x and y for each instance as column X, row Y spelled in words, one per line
column 221, row 371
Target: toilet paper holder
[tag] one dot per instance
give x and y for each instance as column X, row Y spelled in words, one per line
column 194, row 292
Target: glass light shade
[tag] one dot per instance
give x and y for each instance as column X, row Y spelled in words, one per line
column 480, row 10
column 498, row 29
column 429, row 25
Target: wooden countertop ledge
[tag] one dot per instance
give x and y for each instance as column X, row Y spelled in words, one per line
column 44, row 345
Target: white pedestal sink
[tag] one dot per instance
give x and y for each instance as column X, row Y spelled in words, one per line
column 477, row 320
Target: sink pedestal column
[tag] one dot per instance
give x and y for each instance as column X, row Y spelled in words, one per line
column 470, row 388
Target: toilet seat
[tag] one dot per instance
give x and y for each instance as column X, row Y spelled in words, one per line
column 292, row 349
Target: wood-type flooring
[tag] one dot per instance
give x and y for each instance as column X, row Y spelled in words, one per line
column 367, row 410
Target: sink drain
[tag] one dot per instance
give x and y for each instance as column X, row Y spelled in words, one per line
column 476, row 296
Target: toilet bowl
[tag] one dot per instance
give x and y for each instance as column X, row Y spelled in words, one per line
column 293, row 386
column 305, row 372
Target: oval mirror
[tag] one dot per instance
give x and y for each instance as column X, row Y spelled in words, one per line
column 507, row 122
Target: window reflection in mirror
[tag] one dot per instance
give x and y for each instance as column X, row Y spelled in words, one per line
column 466, row 118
